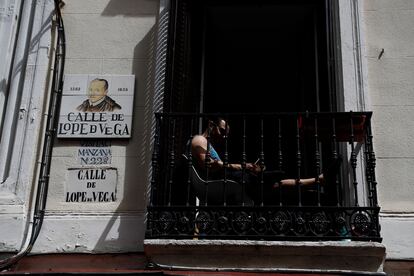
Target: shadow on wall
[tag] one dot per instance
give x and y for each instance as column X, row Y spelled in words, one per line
column 131, row 230
column 131, row 8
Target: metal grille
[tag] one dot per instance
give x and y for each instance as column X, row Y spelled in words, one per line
column 306, row 145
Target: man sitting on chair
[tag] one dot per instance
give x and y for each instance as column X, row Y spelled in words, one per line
column 216, row 130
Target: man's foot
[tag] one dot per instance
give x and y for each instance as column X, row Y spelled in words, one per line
column 331, row 170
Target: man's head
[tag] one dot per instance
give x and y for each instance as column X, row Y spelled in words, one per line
column 218, row 128
column 98, row 89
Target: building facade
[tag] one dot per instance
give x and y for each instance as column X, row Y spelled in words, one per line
column 103, row 181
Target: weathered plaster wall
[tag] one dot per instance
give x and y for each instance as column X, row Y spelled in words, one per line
column 28, row 61
column 389, row 38
column 105, row 37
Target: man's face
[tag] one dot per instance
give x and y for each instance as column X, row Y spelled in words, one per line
column 220, row 130
column 97, row 91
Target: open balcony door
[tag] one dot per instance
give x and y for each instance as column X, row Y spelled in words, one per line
column 264, row 57
column 253, row 56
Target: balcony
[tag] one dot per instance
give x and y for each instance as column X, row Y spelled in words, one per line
column 341, row 206
column 344, row 207
column 330, row 225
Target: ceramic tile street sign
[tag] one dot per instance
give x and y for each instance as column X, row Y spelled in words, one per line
column 96, row 106
column 91, row 185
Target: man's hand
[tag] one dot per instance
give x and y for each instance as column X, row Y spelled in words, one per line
column 254, row 168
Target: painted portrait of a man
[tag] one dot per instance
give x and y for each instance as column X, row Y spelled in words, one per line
column 98, row 99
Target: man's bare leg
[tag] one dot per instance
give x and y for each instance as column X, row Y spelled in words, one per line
column 303, row 181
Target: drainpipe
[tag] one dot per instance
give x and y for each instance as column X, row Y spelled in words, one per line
column 36, row 218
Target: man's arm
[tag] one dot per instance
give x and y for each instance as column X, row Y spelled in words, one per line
column 199, row 152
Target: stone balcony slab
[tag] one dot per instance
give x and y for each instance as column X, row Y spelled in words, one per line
column 276, row 256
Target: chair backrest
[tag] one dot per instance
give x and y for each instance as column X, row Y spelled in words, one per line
column 216, row 189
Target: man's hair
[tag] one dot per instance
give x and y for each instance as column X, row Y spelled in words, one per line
column 215, row 119
column 104, row 80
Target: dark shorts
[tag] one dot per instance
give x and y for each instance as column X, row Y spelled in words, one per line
column 255, row 187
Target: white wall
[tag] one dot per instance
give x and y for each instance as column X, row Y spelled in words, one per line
column 389, row 25
column 105, row 37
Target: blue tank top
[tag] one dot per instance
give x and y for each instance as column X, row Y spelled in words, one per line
column 213, row 153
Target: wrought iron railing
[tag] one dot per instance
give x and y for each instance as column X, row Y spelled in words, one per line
column 341, row 205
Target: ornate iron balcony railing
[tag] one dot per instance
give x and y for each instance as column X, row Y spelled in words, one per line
column 334, row 149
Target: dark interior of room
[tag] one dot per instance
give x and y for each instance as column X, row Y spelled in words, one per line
column 263, row 57
column 255, row 57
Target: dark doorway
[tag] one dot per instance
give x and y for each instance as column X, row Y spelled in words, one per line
column 251, row 56
column 263, row 57
column 231, row 56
